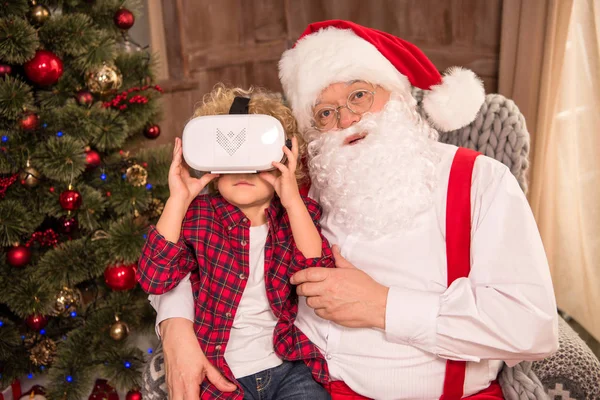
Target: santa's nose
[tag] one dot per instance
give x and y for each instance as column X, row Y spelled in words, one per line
column 347, row 118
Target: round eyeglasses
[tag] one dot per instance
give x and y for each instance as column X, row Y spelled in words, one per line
column 358, row 102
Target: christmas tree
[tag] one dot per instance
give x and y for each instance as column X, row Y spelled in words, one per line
column 78, row 189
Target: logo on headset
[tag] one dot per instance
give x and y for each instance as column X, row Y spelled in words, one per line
column 230, row 142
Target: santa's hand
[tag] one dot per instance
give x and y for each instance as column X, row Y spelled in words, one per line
column 345, row 295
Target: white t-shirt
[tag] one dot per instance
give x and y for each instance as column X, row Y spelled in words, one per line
column 250, row 346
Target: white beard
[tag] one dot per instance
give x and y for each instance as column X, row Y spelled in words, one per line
column 379, row 185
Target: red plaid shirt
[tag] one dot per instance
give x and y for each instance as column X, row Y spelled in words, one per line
column 214, row 247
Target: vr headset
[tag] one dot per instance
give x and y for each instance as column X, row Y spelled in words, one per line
column 235, row 143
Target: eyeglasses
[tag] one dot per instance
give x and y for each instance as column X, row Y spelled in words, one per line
column 358, row 102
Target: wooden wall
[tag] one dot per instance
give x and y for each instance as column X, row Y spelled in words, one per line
column 240, row 41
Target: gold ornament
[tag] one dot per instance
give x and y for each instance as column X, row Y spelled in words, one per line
column 30, row 176
column 136, row 175
column 38, row 15
column 155, row 208
column 103, row 79
column 66, row 301
column 119, row 330
column 42, row 349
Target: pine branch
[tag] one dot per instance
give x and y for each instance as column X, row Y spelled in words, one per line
column 28, row 294
column 62, row 158
column 125, row 198
column 123, row 366
column 77, row 121
column 13, row 7
column 18, row 40
column 70, row 263
column 74, row 368
column 15, row 96
column 91, row 213
column 124, row 241
column 71, row 34
column 61, row 92
column 102, row 50
column 113, row 131
column 139, row 66
column 159, row 162
column 9, row 339
column 16, row 222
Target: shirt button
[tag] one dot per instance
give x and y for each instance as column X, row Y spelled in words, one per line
column 245, row 220
column 218, row 347
column 229, row 227
column 228, row 315
column 243, row 242
column 242, row 276
column 328, row 356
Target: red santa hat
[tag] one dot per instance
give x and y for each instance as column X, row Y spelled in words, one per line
column 340, row 51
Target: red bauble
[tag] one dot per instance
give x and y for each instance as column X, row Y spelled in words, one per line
column 92, row 158
column 84, row 97
column 152, row 132
column 45, row 68
column 103, row 391
column 18, row 256
column 36, row 321
column 124, row 19
column 134, row 395
column 29, row 122
column 67, row 225
column 70, row 200
column 5, row 70
column 120, row 276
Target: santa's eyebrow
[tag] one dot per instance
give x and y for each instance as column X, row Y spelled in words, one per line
column 348, row 83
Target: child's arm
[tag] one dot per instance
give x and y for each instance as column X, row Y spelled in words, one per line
column 306, row 235
column 165, row 258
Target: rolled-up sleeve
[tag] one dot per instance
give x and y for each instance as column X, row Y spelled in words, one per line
column 326, row 260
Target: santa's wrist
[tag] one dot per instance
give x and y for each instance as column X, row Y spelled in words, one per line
column 379, row 309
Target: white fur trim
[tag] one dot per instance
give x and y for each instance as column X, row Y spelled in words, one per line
column 456, row 101
column 329, row 56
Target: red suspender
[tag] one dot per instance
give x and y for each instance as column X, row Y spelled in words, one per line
column 458, row 248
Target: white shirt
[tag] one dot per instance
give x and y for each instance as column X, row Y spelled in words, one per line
column 504, row 311
column 250, row 346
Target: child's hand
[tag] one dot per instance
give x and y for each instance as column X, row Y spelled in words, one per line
column 183, row 187
column 286, row 185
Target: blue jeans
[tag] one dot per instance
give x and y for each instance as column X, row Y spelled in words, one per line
column 291, row 380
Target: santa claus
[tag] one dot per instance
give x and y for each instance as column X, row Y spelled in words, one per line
column 441, row 275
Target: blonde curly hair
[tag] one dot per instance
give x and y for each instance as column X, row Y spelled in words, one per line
column 262, row 101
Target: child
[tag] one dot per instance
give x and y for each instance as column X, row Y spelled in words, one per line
column 242, row 243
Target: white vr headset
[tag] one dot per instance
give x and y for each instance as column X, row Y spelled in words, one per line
column 234, row 143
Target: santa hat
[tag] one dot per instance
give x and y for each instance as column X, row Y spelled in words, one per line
column 340, row 51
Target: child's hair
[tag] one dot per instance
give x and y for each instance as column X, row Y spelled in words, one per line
column 262, row 101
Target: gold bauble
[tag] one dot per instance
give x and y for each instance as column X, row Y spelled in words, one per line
column 136, row 175
column 103, row 79
column 38, row 15
column 43, row 353
column 29, row 176
column 156, row 207
column 66, row 301
column 119, row 330
column 42, row 349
